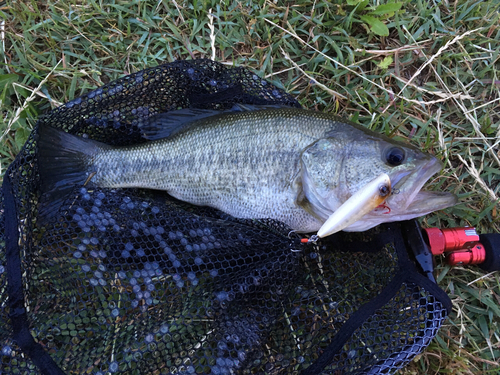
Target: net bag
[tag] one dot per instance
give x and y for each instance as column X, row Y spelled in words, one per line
column 132, row 281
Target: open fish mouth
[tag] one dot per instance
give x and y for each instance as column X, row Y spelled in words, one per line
column 360, row 211
column 409, row 201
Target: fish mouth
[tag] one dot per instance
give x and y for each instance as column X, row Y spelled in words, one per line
column 409, row 201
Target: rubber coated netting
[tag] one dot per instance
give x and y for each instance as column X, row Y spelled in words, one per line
column 131, row 281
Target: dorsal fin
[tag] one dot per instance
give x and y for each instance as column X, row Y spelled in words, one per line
column 239, row 107
column 167, row 124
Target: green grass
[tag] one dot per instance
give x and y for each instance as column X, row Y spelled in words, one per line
column 434, row 81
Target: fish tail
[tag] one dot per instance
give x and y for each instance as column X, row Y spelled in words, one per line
column 64, row 161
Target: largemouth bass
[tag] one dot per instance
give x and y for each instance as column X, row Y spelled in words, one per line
column 294, row 165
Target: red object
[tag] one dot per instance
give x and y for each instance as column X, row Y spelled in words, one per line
column 474, row 255
column 461, row 245
column 444, row 240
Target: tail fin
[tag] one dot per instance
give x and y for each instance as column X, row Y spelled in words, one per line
column 64, row 161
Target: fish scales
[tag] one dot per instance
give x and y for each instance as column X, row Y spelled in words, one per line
column 288, row 164
column 244, row 165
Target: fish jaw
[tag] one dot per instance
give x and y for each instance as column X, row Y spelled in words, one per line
column 424, row 203
column 408, row 201
column 408, row 185
column 428, row 201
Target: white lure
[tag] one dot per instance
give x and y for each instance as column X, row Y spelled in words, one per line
column 358, row 205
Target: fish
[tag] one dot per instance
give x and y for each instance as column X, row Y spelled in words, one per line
column 293, row 165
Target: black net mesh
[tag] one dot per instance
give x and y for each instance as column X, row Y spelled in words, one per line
column 131, row 281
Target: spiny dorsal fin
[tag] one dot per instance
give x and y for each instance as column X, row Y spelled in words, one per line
column 167, row 124
column 239, row 107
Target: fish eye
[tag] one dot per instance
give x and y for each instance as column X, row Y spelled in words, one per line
column 395, row 156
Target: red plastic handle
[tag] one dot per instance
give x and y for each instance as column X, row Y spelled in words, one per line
column 444, row 240
column 474, row 255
